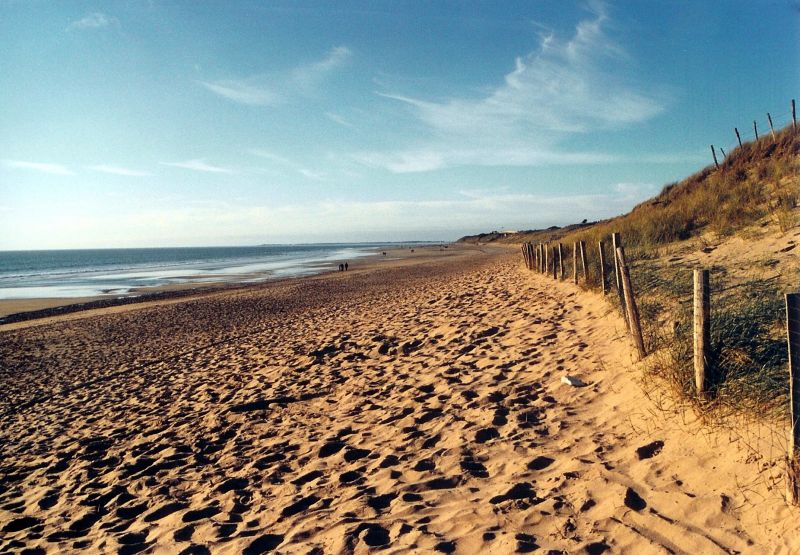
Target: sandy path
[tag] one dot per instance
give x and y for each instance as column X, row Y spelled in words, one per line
column 418, row 411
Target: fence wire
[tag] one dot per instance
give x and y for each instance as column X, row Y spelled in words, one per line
column 748, row 366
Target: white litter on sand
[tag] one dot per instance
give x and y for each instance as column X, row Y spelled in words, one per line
column 573, row 381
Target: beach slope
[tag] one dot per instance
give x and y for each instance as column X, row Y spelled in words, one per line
column 419, row 408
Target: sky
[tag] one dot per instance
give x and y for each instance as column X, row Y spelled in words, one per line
column 154, row 123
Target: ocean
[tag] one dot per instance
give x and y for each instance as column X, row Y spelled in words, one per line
column 117, row 272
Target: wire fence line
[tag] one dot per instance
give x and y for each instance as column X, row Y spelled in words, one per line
column 756, row 129
column 743, row 346
column 719, row 348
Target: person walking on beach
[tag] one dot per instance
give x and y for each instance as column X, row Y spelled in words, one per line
column 341, row 267
column 345, row 266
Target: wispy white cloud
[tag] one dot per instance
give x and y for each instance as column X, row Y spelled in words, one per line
column 274, row 89
column 269, row 155
column 562, row 89
column 311, row 174
column 117, row 170
column 198, row 165
column 54, row 169
column 438, row 157
column 283, row 161
column 214, row 221
column 243, row 92
column 341, row 120
column 94, row 20
column 308, row 77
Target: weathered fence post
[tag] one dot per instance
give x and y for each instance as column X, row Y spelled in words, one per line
column 602, row 267
column 538, row 257
column 561, row 260
column 738, row 137
column 722, row 150
column 529, row 252
column 755, row 129
column 793, row 334
column 531, row 255
column 616, row 242
column 714, row 154
column 555, row 267
column 771, row 129
column 794, row 117
column 582, row 245
column 702, row 332
column 630, row 304
column 575, row 262
column 546, row 259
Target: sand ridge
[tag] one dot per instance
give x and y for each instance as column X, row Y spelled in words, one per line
column 404, row 411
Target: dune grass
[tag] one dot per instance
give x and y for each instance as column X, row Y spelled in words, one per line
column 756, row 183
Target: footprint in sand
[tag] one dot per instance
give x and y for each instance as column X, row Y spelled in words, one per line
column 649, row 450
column 486, row 434
column 634, row 501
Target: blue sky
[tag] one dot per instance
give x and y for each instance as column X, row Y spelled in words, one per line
column 224, row 123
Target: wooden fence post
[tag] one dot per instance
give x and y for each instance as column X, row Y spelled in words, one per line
column 702, row 332
column 616, row 242
column 714, row 154
column 561, row 260
column 602, row 267
column 575, row 262
column 755, row 128
column 538, row 257
column 794, row 117
column 531, row 255
column 555, row 267
column 771, row 129
column 546, row 259
column 722, row 150
column 582, row 245
column 630, row 304
column 738, row 137
column 793, row 334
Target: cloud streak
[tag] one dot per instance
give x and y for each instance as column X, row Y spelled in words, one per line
column 243, row 92
column 198, row 165
column 53, row 169
column 94, row 20
column 283, row 161
column 275, row 89
column 562, row 89
column 117, row 170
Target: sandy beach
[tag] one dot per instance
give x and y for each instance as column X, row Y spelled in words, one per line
column 412, row 408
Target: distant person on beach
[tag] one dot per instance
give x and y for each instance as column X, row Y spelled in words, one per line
column 345, row 266
column 341, row 267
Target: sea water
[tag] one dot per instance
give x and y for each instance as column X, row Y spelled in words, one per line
column 116, row 272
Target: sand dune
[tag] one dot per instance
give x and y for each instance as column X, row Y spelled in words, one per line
column 415, row 409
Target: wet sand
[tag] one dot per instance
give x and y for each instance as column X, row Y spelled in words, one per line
column 20, row 310
column 413, row 409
